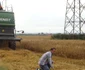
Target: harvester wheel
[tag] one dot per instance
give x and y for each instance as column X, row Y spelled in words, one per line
column 12, row 45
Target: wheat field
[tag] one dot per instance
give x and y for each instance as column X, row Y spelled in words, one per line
column 65, row 48
column 69, row 55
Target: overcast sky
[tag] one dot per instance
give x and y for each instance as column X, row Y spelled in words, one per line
column 36, row 16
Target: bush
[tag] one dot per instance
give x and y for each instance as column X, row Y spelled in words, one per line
column 68, row 36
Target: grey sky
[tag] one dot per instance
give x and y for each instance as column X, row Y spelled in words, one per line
column 35, row 16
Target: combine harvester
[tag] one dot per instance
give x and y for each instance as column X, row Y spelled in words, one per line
column 7, row 27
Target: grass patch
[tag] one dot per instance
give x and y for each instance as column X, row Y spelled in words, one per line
column 3, row 68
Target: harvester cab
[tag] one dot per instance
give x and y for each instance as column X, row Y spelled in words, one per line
column 7, row 27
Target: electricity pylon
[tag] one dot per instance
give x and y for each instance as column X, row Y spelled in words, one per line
column 75, row 17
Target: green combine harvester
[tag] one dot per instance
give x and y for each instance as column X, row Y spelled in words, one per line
column 7, row 27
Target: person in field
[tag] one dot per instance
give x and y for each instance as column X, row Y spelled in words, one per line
column 45, row 61
column 1, row 7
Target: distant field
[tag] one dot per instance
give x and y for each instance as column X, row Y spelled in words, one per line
column 70, row 54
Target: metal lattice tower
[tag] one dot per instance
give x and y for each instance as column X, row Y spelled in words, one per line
column 75, row 17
